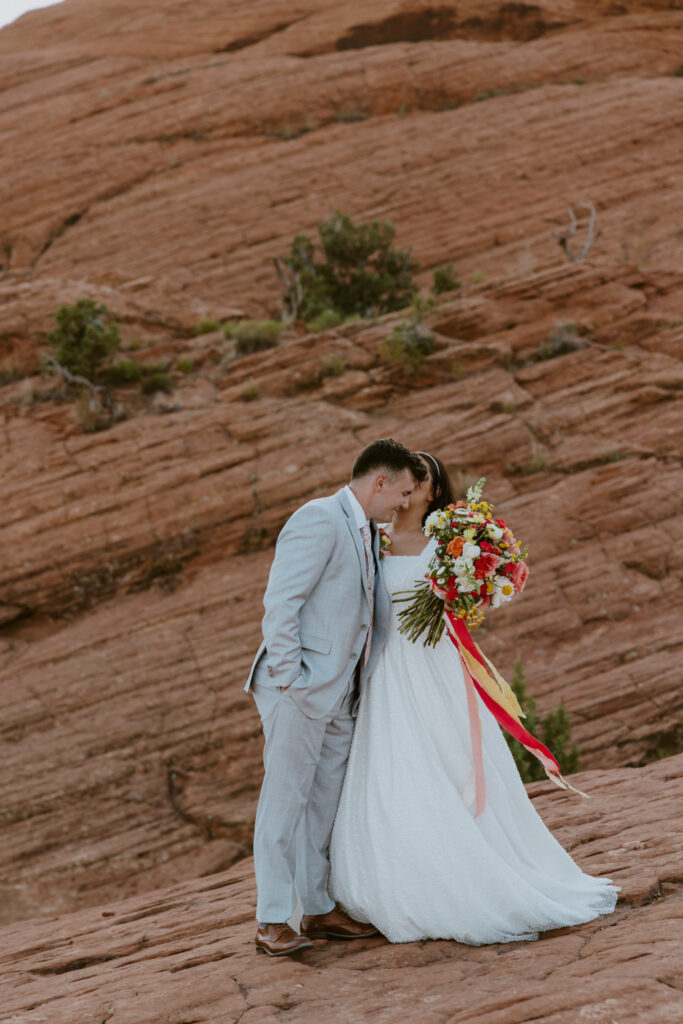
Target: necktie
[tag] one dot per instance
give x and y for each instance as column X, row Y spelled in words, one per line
column 370, row 579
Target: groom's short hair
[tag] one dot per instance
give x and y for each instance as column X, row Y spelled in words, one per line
column 390, row 455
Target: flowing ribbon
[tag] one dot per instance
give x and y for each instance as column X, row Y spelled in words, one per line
column 481, row 677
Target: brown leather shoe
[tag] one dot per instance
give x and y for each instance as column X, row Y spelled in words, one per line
column 280, row 940
column 335, row 925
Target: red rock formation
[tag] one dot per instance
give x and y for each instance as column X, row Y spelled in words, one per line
column 150, row 162
column 186, row 953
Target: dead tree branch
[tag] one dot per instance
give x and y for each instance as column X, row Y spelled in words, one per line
column 564, row 236
column 292, row 289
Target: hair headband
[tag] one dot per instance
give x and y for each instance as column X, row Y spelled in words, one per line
column 433, row 460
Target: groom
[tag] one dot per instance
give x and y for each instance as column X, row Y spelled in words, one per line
column 326, row 617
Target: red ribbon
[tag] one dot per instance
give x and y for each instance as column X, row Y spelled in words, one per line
column 510, row 724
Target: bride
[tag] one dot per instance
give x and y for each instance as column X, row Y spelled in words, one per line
column 407, row 852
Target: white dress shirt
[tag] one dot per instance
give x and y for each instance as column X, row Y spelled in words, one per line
column 358, row 511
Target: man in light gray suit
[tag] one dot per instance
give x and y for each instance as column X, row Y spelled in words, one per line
column 326, row 616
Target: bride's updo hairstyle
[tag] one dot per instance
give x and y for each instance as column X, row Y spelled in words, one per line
column 441, row 484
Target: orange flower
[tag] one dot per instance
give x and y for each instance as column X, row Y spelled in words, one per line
column 455, row 547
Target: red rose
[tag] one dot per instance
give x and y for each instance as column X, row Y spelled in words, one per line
column 485, row 565
column 485, row 546
column 501, row 523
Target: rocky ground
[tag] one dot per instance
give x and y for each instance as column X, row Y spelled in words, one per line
column 157, row 163
column 186, row 954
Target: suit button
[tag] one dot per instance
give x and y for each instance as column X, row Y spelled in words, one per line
column 352, row 657
column 364, row 626
column 270, row 670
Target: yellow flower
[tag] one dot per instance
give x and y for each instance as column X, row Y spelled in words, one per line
column 489, row 588
column 469, row 534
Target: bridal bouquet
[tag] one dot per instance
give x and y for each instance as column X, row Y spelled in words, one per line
column 477, row 564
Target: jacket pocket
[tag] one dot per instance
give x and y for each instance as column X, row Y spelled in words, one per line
column 310, row 642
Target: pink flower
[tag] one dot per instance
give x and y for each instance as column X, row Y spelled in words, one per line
column 518, row 575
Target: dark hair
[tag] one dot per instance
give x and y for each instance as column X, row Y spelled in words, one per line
column 441, row 483
column 390, row 455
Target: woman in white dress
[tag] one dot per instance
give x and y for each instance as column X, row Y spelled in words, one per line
column 407, row 853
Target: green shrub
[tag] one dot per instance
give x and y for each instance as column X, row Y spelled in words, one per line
column 410, row 341
column 554, row 731
column 408, row 345
column 328, row 319
column 253, row 335
column 126, row 371
column 185, row 365
column 85, row 337
column 206, row 326
column 359, row 272
column 333, row 366
column 157, row 380
column 251, row 393
column 445, row 279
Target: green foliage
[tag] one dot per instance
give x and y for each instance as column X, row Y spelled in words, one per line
column 126, row 371
column 156, row 380
column 206, row 325
column 251, row 393
column 333, row 366
column 360, row 271
column 328, row 319
column 253, row 335
column 445, row 279
column 554, row 730
column 410, row 341
column 185, row 365
column 85, row 337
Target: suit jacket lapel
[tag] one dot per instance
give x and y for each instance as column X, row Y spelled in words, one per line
column 355, row 533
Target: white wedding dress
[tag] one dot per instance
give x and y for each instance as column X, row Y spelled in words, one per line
column 406, row 851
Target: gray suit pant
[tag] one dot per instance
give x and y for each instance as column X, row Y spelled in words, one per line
column 305, row 763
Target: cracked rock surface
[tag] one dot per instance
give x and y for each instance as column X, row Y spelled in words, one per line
column 186, row 953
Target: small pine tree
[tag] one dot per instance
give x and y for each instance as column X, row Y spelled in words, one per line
column 85, row 337
column 554, row 731
column 360, row 273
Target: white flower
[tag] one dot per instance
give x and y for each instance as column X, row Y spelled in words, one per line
column 503, row 591
column 433, row 522
column 494, row 532
column 470, row 551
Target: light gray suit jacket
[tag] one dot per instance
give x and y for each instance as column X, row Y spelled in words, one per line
column 317, row 607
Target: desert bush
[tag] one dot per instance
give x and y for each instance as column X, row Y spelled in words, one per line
column 251, row 393
column 554, row 730
column 358, row 271
column 156, row 380
column 333, row 366
column 85, row 338
column 328, row 319
column 410, row 342
column 126, row 371
column 185, row 365
column 206, row 326
column 253, row 335
column 445, row 279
